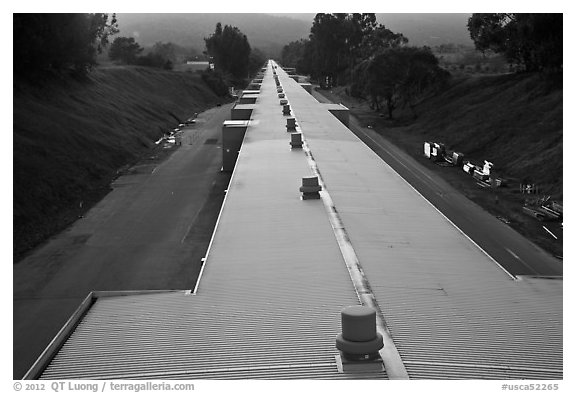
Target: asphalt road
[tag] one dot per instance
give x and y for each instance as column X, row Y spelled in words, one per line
column 150, row 232
column 513, row 252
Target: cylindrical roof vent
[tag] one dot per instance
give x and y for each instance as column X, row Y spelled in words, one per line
column 296, row 140
column 359, row 339
column 290, row 124
column 310, row 188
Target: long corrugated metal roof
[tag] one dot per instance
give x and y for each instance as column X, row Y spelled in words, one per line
column 275, row 280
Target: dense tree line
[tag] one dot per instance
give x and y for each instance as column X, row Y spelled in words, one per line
column 127, row 51
column 531, row 41
column 229, row 50
column 233, row 58
column 46, row 43
column 375, row 62
column 337, row 42
column 397, row 76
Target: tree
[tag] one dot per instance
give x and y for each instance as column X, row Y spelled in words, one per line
column 532, row 41
column 380, row 39
column 125, row 50
column 230, row 51
column 337, row 41
column 397, row 76
column 359, row 27
column 58, row 42
column 422, row 73
column 165, row 50
column 328, row 44
column 292, row 53
column 257, row 60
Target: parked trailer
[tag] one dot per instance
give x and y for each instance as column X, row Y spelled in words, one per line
column 436, row 154
column 478, row 174
column 457, row 158
column 427, row 149
column 468, row 167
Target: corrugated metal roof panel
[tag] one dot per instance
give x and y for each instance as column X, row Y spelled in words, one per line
column 444, row 371
column 166, row 334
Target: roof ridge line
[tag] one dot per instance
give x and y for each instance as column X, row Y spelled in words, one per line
column 393, row 364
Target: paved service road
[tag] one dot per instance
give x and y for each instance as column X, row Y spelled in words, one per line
column 150, row 232
column 508, row 248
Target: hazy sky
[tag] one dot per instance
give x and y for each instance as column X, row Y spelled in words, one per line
column 421, row 28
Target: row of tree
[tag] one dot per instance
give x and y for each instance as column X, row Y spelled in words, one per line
column 375, row 62
column 45, row 43
column 55, row 42
column 397, row 76
column 127, row 51
column 230, row 52
column 531, row 41
column 337, row 42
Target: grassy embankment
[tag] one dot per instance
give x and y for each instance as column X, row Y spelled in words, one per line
column 71, row 138
column 514, row 121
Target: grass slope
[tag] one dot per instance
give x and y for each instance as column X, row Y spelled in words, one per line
column 72, row 136
column 514, row 121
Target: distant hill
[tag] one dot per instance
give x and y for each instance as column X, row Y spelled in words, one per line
column 429, row 29
column 266, row 32
column 270, row 32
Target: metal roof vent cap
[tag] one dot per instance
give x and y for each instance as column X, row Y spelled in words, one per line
column 286, row 109
column 359, row 341
column 310, row 188
column 296, row 139
column 291, row 124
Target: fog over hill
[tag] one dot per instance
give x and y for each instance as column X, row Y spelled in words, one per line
column 429, row 29
column 266, row 32
column 421, row 29
column 270, row 32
